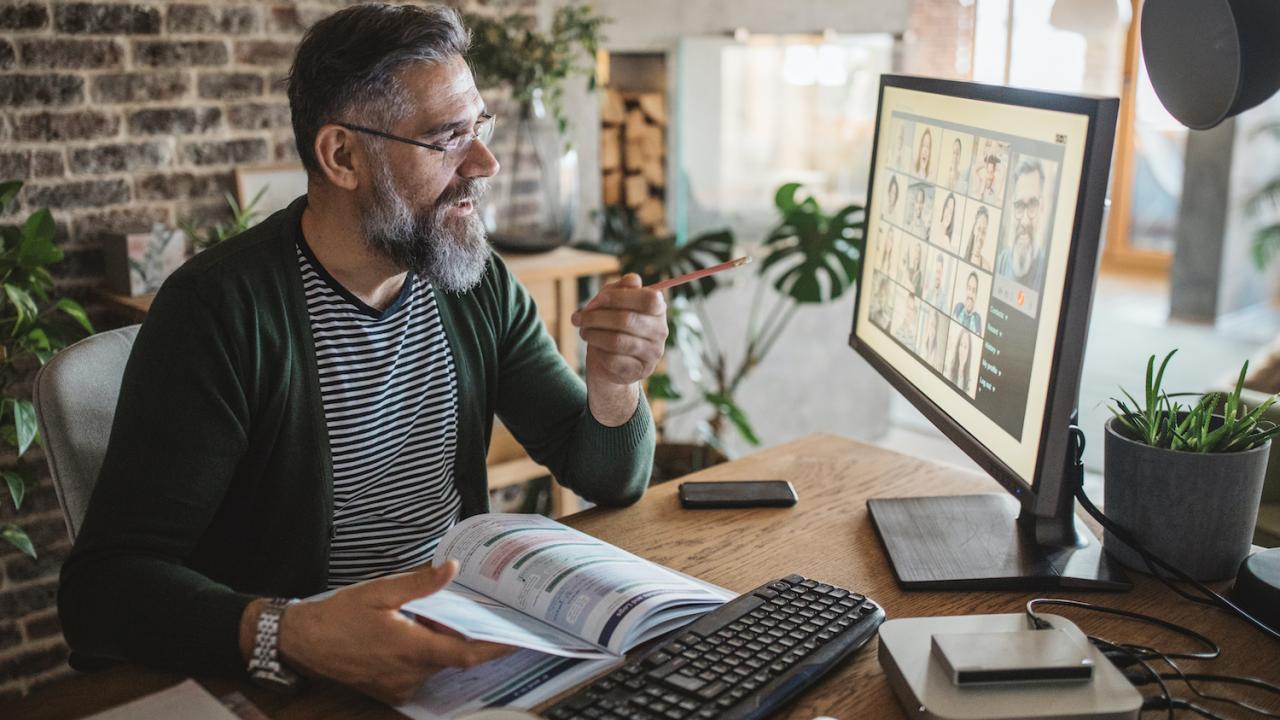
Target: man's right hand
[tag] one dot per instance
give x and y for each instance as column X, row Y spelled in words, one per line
column 359, row 637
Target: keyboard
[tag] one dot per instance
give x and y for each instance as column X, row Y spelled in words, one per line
column 743, row 660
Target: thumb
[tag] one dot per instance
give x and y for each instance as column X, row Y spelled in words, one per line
column 395, row 590
column 630, row 280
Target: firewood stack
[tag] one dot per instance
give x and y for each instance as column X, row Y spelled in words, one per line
column 632, row 155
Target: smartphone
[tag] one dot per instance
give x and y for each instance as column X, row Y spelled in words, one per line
column 737, row 494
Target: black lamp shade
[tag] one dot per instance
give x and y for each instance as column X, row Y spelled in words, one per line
column 1211, row 59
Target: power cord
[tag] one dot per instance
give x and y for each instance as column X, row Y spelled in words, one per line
column 1207, row 595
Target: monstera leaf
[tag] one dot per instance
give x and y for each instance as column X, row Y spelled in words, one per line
column 660, row 258
column 815, row 255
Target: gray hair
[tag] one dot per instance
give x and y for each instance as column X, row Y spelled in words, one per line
column 347, row 66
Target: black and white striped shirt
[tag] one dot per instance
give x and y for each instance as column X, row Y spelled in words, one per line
column 390, row 398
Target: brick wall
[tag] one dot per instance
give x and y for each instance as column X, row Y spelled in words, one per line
column 119, row 115
column 939, row 39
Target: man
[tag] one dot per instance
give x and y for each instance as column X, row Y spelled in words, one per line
column 989, row 173
column 1022, row 258
column 308, row 405
column 965, row 313
column 937, row 293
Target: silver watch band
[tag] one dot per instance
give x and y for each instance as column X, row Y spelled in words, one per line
column 265, row 667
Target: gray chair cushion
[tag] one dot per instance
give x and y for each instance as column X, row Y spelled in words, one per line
column 75, row 399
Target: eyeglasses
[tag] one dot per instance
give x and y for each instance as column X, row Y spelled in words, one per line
column 458, row 142
column 1029, row 208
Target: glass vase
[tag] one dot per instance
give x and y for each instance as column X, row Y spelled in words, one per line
column 532, row 201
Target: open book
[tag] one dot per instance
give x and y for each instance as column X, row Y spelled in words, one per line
column 530, row 582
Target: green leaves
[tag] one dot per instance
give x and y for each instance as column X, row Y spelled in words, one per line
column 33, row 325
column 726, row 406
column 1215, row 423
column 817, row 254
column 242, row 218
column 17, row 537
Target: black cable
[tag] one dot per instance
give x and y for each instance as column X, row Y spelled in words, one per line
column 1212, row 652
column 1171, row 703
column 1164, row 688
column 1186, row 678
column 1211, row 597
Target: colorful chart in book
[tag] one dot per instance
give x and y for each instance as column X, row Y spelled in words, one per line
column 969, row 232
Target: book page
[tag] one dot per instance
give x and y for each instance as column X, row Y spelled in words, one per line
column 480, row 618
column 579, row 584
column 520, row 680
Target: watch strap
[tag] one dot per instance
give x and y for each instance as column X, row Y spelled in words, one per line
column 265, row 667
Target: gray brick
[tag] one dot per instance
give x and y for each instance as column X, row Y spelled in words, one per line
column 286, row 150
column 229, row 86
column 91, row 227
column 79, row 193
column 9, row 635
column 204, row 19
column 170, row 53
column 120, row 157
column 259, row 116
column 15, row 165
column 223, row 152
column 6, row 55
column 265, row 52
column 24, row 16
column 43, row 90
column 34, row 662
column 47, row 163
column 43, row 626
column 140, row 86
column 173, row 121
column 103, row 19
column 284, row 19
column 21, row 568
column 172, row 186
column 60, row 54
column 77, row 125
column 17, row 603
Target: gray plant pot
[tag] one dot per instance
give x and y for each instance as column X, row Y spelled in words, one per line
column 1194, row 510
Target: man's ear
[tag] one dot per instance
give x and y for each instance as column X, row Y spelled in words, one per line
column 339, row 156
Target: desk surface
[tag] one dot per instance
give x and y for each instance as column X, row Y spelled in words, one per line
column 828, row 536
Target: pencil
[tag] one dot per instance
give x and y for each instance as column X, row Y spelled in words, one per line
column 699, row 274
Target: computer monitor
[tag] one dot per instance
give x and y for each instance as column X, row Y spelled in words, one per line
column 983, row 220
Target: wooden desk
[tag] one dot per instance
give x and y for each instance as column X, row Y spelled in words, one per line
column 828, row 536
column 552, row 280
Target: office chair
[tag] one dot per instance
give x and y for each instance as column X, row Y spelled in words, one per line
column 75, row 399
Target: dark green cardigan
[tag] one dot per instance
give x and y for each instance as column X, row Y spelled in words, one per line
column 217, row 486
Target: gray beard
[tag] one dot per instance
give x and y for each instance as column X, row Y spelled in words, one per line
column 450, row 253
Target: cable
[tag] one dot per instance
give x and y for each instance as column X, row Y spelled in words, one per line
column 1211, row 597
column 1213, row 650
column 1180, row 704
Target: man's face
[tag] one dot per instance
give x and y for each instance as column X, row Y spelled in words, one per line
column 989, row 178
column 918, row 208
column 970, row 293
column 926, row 149
column 1026, row 220
column 938, row 267
column 419, row 205
column 979, row 232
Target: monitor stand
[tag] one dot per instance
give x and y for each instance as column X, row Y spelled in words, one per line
column 975, row 542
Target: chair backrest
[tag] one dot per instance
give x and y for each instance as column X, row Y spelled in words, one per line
column 75, row 399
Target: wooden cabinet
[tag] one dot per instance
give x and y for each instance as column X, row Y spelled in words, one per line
column 552, row 280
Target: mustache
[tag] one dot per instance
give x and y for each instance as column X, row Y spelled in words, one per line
column 468, row 189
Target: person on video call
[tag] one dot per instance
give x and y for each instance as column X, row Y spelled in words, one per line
column 891, row 197
column 965, row 311
column 933, row 346
column 308, row 405
column 1021, row 259
column 882, row 308
column 917, row 220
column 960, row 359
column 936, row 293
column 924, row 155
column 957, row 177
column 947, row 222
column 972, row 251
column 908, row 320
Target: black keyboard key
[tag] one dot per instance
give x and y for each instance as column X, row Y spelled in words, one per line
column 656, row 659
column 680, row 681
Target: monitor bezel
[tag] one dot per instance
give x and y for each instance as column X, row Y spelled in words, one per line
column 1047, row 495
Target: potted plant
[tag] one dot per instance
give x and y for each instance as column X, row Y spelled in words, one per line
column 34, row 324
column 810, row 257
column 1186, row 480
column 533, row 211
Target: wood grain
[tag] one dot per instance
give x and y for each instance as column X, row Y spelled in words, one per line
column 827, row 536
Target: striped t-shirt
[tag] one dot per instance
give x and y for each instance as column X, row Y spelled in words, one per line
column 390, row 398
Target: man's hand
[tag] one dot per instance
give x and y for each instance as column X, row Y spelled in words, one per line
column 625, row 328
column 359, row 637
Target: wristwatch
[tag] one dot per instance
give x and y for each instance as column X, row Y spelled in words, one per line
column 265, row 668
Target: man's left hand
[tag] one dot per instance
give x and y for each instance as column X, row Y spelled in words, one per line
column 625, row 328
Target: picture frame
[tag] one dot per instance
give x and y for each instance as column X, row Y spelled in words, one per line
column 279, row 183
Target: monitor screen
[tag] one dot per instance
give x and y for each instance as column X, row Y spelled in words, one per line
column 970, row 221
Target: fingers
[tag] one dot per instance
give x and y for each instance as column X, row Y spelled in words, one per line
column 621, row 321
column 395, row 590
column 646, row 350
column 626, row 294
column 438, row 649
